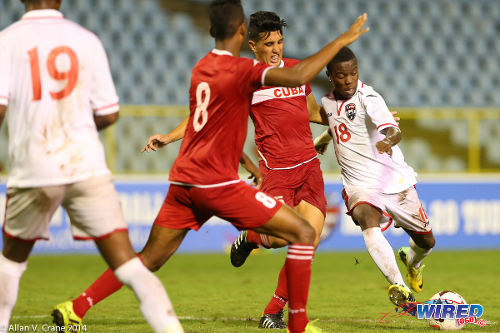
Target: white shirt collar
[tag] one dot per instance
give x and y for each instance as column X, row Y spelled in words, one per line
column 221, row 52
column 43, row 13
column 282, row 64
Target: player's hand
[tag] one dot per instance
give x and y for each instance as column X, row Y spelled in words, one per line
column 356, row 30
column 384, row 147
column 396, row 118
column 321, row 147
column 156, row 141
column 256, row 178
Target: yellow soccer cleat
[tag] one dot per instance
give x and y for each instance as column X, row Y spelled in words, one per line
column 400, row 295
column 310, row 328
column 415, row 277
column 64, row 316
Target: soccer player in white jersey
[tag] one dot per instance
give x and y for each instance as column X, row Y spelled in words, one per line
column 56, row 92
column 379, row 186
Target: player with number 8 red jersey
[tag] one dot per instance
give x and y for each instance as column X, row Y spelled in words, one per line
column 220, row 94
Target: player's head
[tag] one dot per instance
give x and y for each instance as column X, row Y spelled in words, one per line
column 265, row 37
column 226, row 19
column 42, row 4
column 342, row 71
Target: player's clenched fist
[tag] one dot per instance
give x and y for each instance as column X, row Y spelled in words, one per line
column 384, row 146
column 156, row 141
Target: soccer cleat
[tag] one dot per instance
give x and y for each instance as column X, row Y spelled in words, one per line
column 415, row 277
column 272, row 321
column 400, row 295
column 64, row 316
column 240, row 250
column 310, row 328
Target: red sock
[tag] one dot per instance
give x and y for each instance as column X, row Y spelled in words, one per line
column 298, row 270
column 280, row 296
column 259, row 239
column 104, row 286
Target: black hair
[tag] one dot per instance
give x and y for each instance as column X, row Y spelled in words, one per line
column 263, row 21
column 345, row 54
column 225, row 18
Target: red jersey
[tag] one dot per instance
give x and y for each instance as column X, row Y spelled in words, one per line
column 219, row 104
column 282, row 133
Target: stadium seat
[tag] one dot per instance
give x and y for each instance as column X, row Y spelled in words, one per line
column 418, row 53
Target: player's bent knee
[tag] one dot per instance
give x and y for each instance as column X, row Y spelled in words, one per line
column 430, row 242
column 152, row 263
column 307, row 234
column 426, row 242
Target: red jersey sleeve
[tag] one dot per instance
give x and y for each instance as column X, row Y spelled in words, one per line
column 291, row 63
column 253, row 72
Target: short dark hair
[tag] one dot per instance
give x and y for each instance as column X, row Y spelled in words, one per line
column 263, row 21
column 225, row 18
column 345, row 54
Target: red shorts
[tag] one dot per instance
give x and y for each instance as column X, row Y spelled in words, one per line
column 240, row 204
column 304, row 182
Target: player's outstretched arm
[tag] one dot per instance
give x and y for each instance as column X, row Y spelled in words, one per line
column 316, row 113
column 308, row 68
column 392, row 137
column 247, row 163
column 159, row 141
column 3, row 111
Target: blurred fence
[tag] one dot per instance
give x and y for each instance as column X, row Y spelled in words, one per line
column 451, row 140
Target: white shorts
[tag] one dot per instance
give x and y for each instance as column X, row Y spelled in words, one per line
column 92, row 206
column 404, row 208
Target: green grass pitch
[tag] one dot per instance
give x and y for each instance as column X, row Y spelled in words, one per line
column 348, row 293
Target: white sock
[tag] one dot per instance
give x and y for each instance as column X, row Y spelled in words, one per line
column 10, row 274
column 416, row 254
column 381, row 252
column 155, row 304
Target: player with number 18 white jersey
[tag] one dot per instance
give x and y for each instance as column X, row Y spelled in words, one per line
column 356, row 125
column 378, row 184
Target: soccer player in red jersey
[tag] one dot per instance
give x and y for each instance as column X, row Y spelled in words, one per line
column 204, row 178
column 289, row 164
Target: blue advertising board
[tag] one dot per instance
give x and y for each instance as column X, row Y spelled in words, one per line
column 463, row 215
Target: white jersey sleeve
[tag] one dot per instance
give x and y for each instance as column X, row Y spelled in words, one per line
column 377, row 110
column 4, row 73
column 103, row 97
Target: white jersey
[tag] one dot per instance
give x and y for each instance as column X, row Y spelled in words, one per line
column 54, row 77
column 356, row 124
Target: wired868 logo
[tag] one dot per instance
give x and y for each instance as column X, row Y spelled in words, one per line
column 444, row 309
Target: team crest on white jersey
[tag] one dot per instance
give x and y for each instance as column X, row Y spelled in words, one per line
column 350, row 111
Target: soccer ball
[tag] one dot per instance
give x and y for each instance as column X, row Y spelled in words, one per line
column 446, row 297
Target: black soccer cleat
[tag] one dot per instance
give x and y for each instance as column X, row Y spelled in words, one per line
column 272, row 321
column 240, row 250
